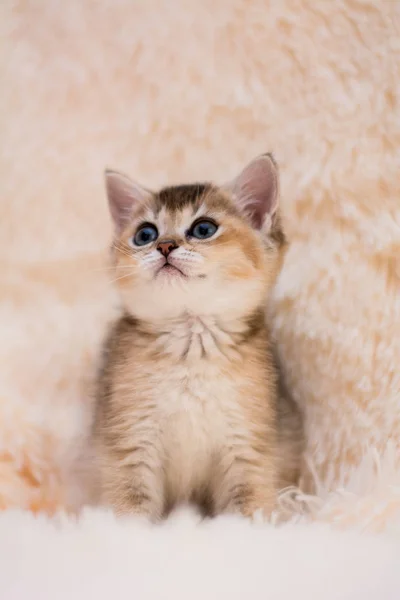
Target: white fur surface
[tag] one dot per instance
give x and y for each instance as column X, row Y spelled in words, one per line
column 99, row 558
column 330, row 550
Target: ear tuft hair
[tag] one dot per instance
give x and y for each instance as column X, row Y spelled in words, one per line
column 123, row 194
column 256, row 190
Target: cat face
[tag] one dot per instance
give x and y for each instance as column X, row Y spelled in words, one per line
column 198, row 249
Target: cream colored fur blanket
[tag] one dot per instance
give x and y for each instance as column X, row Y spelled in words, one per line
column 182, row 90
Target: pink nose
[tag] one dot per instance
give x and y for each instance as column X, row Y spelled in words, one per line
column 166, row 247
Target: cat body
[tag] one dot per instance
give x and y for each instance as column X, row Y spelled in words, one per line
column 192, row 421
column 187, row 405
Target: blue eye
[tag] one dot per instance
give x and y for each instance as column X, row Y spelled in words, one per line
column 203, row 230
column 145, row 235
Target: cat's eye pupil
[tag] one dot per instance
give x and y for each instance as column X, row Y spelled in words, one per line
column 203, row 230
column 145, row 235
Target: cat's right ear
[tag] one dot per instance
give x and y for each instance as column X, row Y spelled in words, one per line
column 256, row 191
column 123, row 195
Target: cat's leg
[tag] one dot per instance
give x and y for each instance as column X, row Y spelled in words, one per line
column 245, row 481
column 134, row 484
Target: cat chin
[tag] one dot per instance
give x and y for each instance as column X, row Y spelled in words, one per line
column 174, row 297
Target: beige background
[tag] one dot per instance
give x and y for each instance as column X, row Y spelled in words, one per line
column 180, row 90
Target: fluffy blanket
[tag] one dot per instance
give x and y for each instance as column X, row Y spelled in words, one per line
column 183, row 90
column 225, row 558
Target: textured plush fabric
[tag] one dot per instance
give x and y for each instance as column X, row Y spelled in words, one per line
column 227, row 558
column 192, row 89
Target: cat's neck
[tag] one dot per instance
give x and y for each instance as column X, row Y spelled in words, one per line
column 195, row 337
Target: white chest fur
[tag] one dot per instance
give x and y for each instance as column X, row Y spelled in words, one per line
column 197, row 400
column 195, row 413
column 200, row 338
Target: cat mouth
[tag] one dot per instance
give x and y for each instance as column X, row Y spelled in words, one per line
column 169, row 269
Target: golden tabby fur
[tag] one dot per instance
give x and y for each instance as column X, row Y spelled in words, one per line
column 187, row 405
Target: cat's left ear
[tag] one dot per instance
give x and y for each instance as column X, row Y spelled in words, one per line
column 124, row 195
column 256, row 191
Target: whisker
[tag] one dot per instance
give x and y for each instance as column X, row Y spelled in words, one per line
column 120, row 248
column 111, row 268
column 122, row 277
column 124, row 253
column 154, row 261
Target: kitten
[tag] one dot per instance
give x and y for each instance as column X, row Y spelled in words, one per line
column 187, row 401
